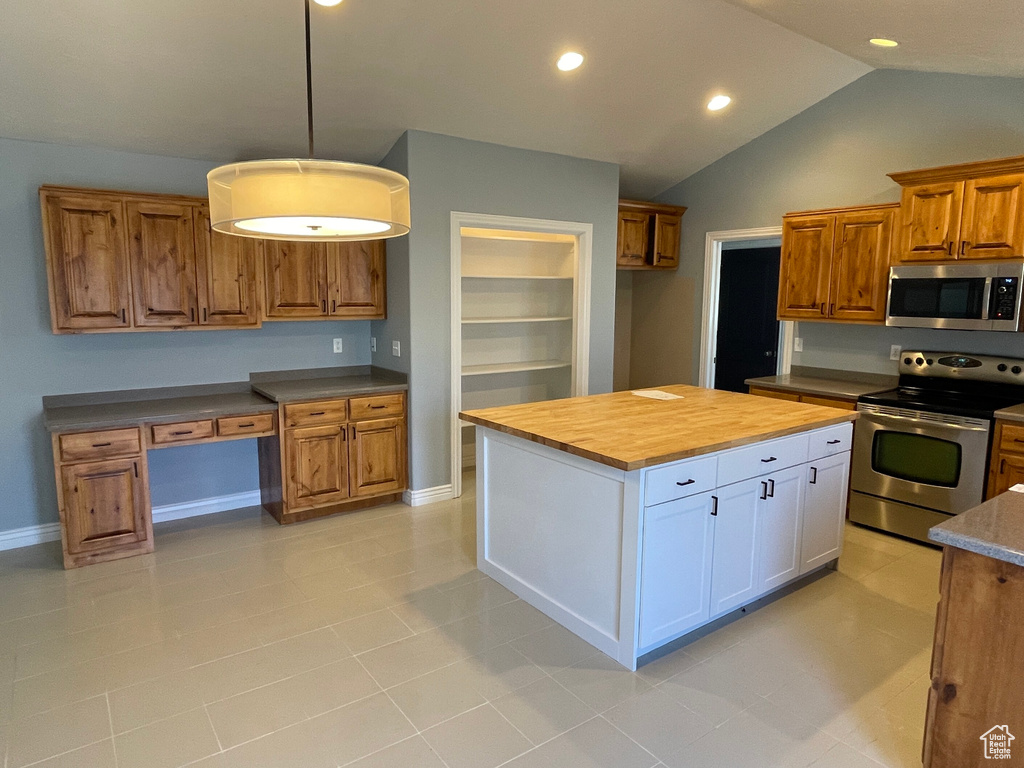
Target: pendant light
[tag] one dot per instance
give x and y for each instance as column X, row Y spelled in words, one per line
column 308, row 200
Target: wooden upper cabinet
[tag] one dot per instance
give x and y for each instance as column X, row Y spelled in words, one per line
column 296, row 279
column 163, row 263
column 805, row 268
column 993, row 220
column 649, row 235
column 226, row 275
column 632, row 238
column 357, row 279
column 929, row 228
column 87, row 261
column 860, row 265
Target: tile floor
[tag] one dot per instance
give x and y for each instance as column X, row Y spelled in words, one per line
column 371, row 641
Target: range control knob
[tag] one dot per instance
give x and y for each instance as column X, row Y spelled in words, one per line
column 930, row 361
column 920, row 361
column 1016, row 370
column 1001, row 367
column 907, row 361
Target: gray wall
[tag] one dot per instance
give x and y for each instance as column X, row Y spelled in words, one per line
column 34, row 362
column 448, row 174
column 835, row 153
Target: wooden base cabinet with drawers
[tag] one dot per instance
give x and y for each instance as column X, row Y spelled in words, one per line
column 335, row 456
column 795, row 397
column 1006, row 467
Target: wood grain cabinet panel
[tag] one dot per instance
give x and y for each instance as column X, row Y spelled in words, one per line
column 89, row 446
column 376, row 406
column 87, row 261
column 163, row 263
column 1006, row 463
column 632, row 238
column 226, row 275
column 806, row 266
column 254, row 424
column 930, row 215
column 104, row 505
column 860, row 265
column 376, row 455
column 185, row 431
column 649, row 235
column 667, row 236
column 296, row 279
column 357, row 279
column 317, row 465
column 318, row 412
column 993, row 219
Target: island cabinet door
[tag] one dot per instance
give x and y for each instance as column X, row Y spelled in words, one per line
column 675, row 587
column 780, row 528
column 824, row 511
column 734, row 576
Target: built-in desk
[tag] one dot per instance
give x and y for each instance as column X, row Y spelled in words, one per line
column 329, row 440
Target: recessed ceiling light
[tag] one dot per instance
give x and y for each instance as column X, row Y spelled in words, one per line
column 570, row 61
column 883, row 42
column 721, row 101
column 328, row 3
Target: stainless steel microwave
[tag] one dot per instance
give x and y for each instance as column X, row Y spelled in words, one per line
column 969, row 297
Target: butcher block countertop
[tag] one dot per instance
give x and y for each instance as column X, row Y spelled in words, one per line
column 627, row 431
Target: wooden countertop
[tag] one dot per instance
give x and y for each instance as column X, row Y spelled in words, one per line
column 629, row 432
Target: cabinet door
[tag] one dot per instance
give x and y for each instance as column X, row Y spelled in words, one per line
column 993, row 225
column 734, row 571
column 667, row 234
column 780, row 523
column 104, row 505
column 225, row 275
column 377, row 457
column 860, row 265
column 87, row 257
column 357, row 279
column 806, row 267
column 317, row 462
column 161, row 245
column 675, row 576
column 824, row 511
column 295, row 278
column 929, row 228
column 632, row 241
column 1009, row 472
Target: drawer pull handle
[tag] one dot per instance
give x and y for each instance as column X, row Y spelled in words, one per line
column 769, row 460
column 714, row 506
column 833, row 442
column 377, row 407
column 246, row 426
column 1018, row 440
column 100, row 445
column 182, row 432
column 771, row 490
column 318, row 413
column 814, row 476
column 764, row 491
column 691, row 481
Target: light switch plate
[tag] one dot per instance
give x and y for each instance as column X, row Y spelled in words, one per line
column 396, row 349
column 337, row 346
column 895, row 351
column 373, row 343
column 798, row 344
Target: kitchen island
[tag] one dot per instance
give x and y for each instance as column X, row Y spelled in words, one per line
column 634, row 518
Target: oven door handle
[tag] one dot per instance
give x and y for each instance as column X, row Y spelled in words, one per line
column 923, row 422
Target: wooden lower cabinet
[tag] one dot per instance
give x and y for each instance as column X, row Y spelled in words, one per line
column 1006, row 466
column 317, row 465
column 796, row 397
column 376, row 457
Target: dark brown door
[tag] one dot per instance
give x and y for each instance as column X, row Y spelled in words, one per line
column 317, row 461
column 87, row 251
column 162, row 249
column 225, row 275
column 357, row 286
column 376, row 453
column 296, row 279
column 104, row 505
column 860, row 265
column 929, row 228
column 806, row 267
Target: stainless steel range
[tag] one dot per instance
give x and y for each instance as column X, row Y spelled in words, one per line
column 920, row 451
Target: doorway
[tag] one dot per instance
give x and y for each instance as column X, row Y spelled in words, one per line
column 747, row 342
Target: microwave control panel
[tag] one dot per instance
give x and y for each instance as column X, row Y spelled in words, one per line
column 1003, row 302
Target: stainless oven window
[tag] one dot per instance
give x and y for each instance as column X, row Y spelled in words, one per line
column 917, row 458
column 960, row 298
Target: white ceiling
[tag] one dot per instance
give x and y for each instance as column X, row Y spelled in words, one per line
column 224, row 79
column 971, row 37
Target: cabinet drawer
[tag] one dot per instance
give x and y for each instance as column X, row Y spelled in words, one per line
column 183, row 431
column 681, row 479
column 1012, row 439
column 311, row 414
column 228, row 426
column 828, row 442
column 376, row 407
column 743, row 463
column 89, row 446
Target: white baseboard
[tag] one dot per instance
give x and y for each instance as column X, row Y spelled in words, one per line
column 427, row 495
column 37, row 534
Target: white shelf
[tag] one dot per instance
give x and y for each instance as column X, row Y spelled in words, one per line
column 493, row 368
column 512, row 320
column 517, row 277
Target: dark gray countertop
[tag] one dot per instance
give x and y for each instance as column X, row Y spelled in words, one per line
column 994, row 529
column 1016, row 413
column 823, row 382
column 319, row 383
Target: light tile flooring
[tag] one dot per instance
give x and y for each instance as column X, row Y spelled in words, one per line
column 371, row 640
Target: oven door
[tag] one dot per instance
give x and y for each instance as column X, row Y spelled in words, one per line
column 924, row 459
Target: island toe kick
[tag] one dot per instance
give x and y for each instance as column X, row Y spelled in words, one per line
column 632, row 560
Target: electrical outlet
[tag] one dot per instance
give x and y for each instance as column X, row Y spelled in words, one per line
column 396, row 349
column 373, row 343
column 894, row 352
column 798, row 344
column 337, row 346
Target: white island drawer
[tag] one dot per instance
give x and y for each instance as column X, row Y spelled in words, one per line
column 761, row 458
column 829, row 442
column 683, row 478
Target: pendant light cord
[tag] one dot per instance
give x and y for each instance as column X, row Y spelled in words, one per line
column 309, row 85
